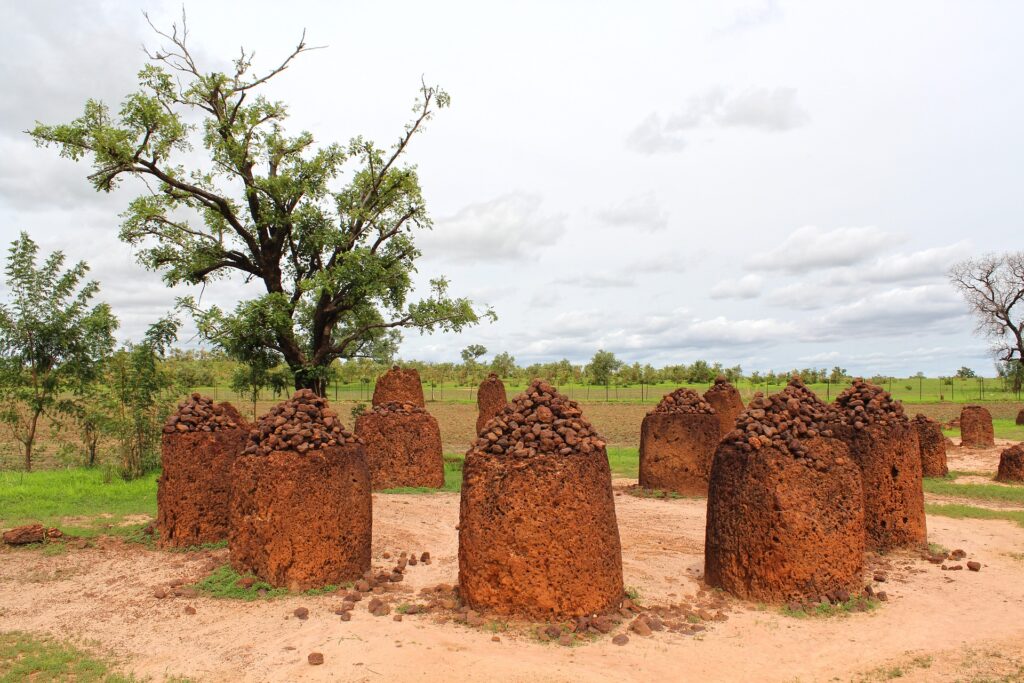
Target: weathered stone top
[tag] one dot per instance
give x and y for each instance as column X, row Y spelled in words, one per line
column 539, row 421
column 302, row 423
column 683, row 401
column 784, row 421
column 865, row 404
column 199, row 413
column 395, row 407
column 921, row 418
column 721, row 385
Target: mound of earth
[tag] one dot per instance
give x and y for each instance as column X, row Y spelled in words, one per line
column 785, row 504
column 538, row 535
column 403, row 446
column 399, row 385
column 933, row 446
column 885, row 446
column 976, row 428
column 301, row 500
column 726, row 400
column 199, row 445
column 490, row 399
column 677, row 442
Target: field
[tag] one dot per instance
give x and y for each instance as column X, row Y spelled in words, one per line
column 92, row 602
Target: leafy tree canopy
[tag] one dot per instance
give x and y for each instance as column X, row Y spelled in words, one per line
column 328, row 230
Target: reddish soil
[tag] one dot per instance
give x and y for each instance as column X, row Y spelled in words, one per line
column 933, row 446
column 302, row 520
column 399, row 385
column 785, row 505
column 403, row 446
column 1011, row 464
column 676, row 450
column 490, row 399
column 537, row 529
column 976, row 428
column 727, row 402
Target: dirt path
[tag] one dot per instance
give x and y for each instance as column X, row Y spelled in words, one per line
column 105, row 596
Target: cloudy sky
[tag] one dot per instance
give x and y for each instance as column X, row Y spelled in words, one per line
column 774, row 184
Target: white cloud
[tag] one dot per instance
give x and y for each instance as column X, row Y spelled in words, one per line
column 927, row 264
column 597, row 280
column 747, row 287
column 755, row 15
column 894, row 312
column 810, row 248
column 507, row 228
column 764, row 109
column 642, row 212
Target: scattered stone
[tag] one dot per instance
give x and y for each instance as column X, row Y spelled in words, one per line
column 315, row 658
column 495, row 639
column 189, row 609
column 24, row 535
column 880, row 577
column 620, row 639
column 301, row 613
column 397, row 617
column 974, row 566
column 640, row 627
column 246, row 582
column 346, row 616
column 882, row 595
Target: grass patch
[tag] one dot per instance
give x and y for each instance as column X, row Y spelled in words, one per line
column 1000, row 492
column 223, row 583
column 938, row 549
column 452, row 479
column 838, row 610
column 971, row 512
column 633, row 594
column 24, row 657
column 625, row 462
column 49, row 496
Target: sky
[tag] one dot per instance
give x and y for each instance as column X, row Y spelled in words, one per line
column 770, row 184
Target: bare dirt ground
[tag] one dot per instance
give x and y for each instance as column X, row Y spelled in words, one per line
column 937, row 625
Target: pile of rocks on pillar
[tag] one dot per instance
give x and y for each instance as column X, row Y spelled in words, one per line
column 727, row 402
column 933, row 446
column 678, row 439
column 537, row 531
column 490, row 399
column 976, row 428
column 885, row 446
column 403, row 446
column 197, row 450
column 301, row 502
column 399, row 385
column 1011, row 465
column 785, row 505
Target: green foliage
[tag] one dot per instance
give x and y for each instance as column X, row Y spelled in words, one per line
column 328, row 230
column 998, row 492
column 51, row 342
column 27, row 657
column 837, row 610
column 472, row 353
column 965, row 373
column 503, row 364
column 223, row 583
column 602, row 366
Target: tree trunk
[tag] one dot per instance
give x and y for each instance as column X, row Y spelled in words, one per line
column 30, row 440
column 307, row 380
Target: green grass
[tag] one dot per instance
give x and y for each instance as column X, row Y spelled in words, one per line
column 452, row 479
column 837, row 610
column 25, row 657
column 47, row 496
column 625, row 462
column 944, row 487
column 223, row 583
column 971, row 512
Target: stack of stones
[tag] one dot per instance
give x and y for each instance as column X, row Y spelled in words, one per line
column 885, row 446
column 490, row 399
column 785, row 504
column 933, row 446
column 678, row 439
column 200, row 443
column 976, row 428
column 1011, row 465
column 403, row 446
column 403, row 440
column 538, row 535
column 727, row 402
column 301, row 503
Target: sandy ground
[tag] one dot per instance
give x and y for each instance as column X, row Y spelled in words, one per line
column 937, row 625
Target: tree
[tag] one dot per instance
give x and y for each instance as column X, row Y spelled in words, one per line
column 838, row 375
column 602, row 366
column 334, row 258
column 471, row 353
column 993, row 287
column 503, row 364
column 249, row 380
column 965, row 373
column 51, row 341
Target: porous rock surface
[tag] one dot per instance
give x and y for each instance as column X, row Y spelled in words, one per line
column 727, row 402
column 785, row 504
column 490, row 399
column 198, row 448
column 1011, row 465
column 399, row 385
column 678, row 439
column 538, row 535
column 976, row 428
column 1020, row 417
column 885, row 446
column 933, row 446
column 301, row 501
column 403, row 446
